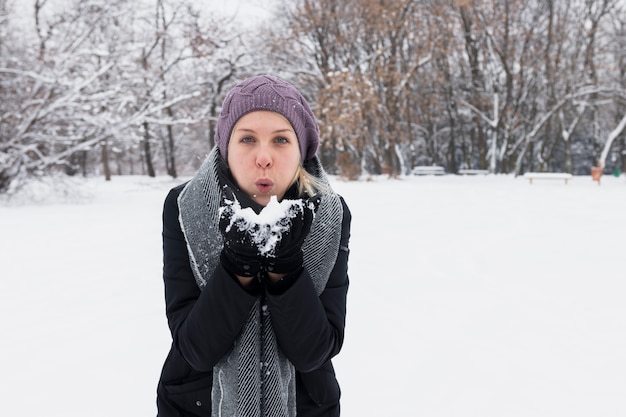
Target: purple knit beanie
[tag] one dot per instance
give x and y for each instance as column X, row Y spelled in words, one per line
column 265, row 92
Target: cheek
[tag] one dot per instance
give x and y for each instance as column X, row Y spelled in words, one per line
column 238, row 168
column 294, row 159
column 290, row 166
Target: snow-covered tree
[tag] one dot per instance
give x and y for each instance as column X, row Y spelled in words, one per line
column 112, row 87
column 104, row 83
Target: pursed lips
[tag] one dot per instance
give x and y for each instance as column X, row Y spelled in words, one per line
column 264, row 185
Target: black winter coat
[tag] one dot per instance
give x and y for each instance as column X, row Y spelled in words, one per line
column 204, row 324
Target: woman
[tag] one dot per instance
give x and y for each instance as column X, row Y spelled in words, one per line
column 256, row 307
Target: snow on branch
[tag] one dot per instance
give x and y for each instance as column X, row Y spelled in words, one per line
column 28, row 74
column 526, row 139
column 611, row 138
column 492, row 123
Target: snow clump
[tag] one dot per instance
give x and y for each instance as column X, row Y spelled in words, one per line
column 266, row 228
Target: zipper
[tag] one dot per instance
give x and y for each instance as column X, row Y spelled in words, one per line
column 263, row 363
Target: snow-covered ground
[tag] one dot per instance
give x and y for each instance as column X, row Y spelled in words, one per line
column 470, row 296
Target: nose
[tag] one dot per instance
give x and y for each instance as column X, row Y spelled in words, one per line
column 264, row 157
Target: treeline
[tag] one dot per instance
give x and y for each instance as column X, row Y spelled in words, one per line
column 112, row 87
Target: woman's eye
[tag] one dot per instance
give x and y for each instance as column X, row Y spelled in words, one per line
column 247, row 139
column 281, row 139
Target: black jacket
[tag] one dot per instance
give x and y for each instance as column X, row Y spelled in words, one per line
column 204, row 325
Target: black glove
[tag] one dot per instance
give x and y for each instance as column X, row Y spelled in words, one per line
column 239, row 255
column 294, row 227
column 263, row 238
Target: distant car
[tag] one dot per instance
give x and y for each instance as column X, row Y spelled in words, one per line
column 428, row 170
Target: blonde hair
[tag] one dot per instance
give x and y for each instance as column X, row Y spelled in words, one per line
column 307, row 183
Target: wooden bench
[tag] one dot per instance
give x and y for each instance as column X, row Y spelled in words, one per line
column 428, row 170
column 548, row 176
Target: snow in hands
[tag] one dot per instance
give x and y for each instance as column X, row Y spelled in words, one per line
column 266, row 228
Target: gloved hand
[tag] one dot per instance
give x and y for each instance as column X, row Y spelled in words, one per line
column 293, row 228
column 263, row 238
column 239, row 255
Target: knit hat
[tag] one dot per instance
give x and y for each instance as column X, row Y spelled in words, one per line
column 265, row 92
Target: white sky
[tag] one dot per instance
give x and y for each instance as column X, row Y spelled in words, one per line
column 244, row 8
column 245, row 12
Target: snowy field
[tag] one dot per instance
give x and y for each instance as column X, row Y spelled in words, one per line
column 470, row 296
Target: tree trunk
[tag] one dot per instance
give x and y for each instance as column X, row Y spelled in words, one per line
column 452, row 165
column 146, row 150
column 83, row 163
column 477, row 83
column 106, row 168
column 171, row 146
column 568, row 157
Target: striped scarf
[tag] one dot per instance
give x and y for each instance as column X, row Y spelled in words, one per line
column 254, row 379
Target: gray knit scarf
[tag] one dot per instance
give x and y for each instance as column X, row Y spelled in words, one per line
column 254, row 379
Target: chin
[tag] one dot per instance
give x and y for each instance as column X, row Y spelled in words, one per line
column 262, row 199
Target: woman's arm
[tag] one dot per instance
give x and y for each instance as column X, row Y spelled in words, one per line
column 310, row 328
column 204, row 324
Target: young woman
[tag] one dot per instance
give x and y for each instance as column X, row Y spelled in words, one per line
column 255, row 259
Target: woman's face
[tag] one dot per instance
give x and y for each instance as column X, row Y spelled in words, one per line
column 263, row 155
